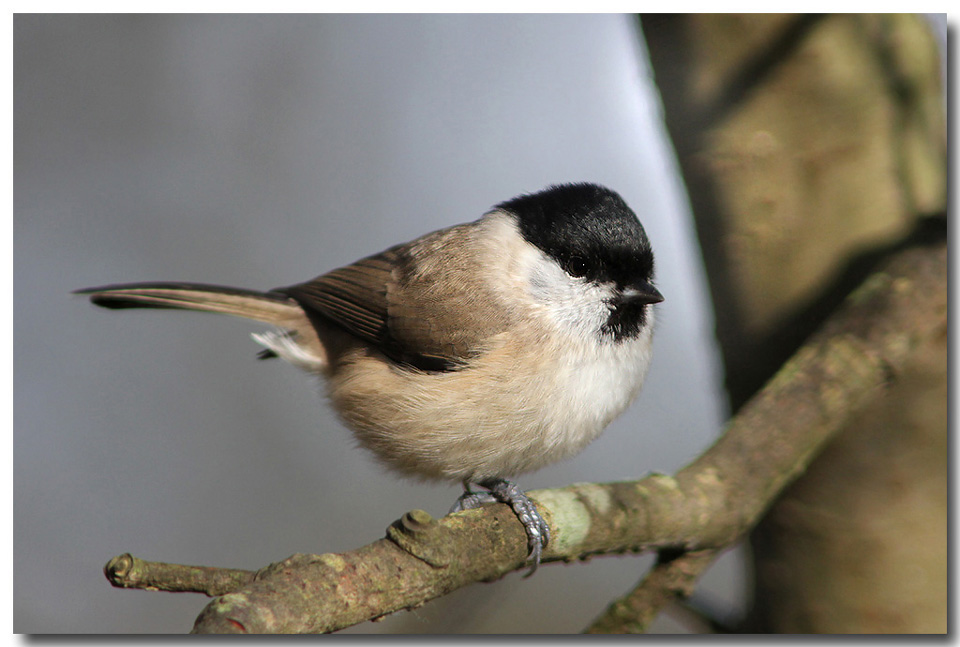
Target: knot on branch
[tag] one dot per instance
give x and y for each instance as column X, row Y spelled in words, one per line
column 419, row 534
column 120, row 571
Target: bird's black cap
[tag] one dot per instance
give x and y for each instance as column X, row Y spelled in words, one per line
column 593, row 234
column 589, row 229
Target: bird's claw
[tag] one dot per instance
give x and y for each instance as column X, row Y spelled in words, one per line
column 470, row 500
column 504, row 491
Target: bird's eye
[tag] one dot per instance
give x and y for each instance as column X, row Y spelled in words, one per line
column 577, row 266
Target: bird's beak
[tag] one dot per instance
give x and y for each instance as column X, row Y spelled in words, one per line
column 642, row 293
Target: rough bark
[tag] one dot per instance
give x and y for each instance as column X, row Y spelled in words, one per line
column 810, row 146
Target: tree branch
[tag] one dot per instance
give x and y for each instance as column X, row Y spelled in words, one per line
column 705, row 507
column 129, row 572
column 671, row 578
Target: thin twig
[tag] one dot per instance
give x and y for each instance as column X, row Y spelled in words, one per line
column 129, row 572
column 671, row 578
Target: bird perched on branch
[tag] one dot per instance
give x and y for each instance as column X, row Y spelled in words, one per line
column 474, row 353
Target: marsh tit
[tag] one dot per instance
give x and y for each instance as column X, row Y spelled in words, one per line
column 473, row 353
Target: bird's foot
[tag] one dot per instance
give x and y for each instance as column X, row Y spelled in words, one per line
column 504, row 491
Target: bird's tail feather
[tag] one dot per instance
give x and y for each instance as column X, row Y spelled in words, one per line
column 268, row 307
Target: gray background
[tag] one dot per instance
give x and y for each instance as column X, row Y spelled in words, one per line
column 262, row 151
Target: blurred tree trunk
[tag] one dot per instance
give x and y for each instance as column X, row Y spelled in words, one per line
column 810, row 146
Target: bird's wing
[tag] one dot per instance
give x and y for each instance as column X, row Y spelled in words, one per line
column 354, row 296
column 419, row 303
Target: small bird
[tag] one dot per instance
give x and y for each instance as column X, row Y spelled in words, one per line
column 471, row 354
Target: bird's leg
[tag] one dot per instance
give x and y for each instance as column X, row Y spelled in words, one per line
column 470, row 499
column 504, row 491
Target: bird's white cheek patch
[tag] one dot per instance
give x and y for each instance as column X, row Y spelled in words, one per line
column 573, row 305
